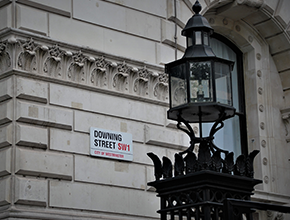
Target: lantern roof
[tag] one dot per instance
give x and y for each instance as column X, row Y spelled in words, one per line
column 196, row 22
column 197, row 27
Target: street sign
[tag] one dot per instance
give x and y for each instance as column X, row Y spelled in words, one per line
column 111, row 144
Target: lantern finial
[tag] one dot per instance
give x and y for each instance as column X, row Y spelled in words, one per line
column 196, row 7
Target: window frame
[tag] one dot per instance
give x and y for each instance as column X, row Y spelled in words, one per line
column 241, row 113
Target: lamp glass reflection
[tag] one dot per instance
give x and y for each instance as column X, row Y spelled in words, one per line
column 198, row 40
column 223, row 83
column 178, row 85
column 200, row 82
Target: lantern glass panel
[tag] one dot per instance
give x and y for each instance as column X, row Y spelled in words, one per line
column 189, row 41
column 198, row 38
column 178, row 85
column 205, row 38
column 200, row 82
column 223, row 83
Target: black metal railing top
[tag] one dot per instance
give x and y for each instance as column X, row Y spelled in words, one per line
column 206, row 160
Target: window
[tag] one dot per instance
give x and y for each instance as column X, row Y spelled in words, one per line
column 233, row 136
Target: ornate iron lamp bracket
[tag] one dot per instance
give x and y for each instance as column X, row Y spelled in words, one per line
column 195, row 140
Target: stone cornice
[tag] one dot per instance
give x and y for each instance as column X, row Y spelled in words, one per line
column 251, row 3
column 41, row 57
column 275, row 198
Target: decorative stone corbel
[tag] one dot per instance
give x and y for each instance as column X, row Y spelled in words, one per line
column 75, row 70
column 102, row 64
column 52, row 62
column 140, row 83
column 27, row 58
column 5, row 60
column 120, row 78
column 98, row 68
column 160, row 89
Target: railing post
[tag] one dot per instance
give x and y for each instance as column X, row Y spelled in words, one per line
column 228, row 210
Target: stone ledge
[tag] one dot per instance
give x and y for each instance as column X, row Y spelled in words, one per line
column 110, row 173
column 109, row 105
column 5, row 162
column 84, row 120
column 157, row 10
column 5, row 191
column 6, row 115
column 24, row 213
column 69, row 141
column 6, row 89
column 55, row 10
column 274, row 198
column 31, row 19
column 43, row 115
column 141, row 150
column 31, row 136
column 165, row 137
column 6, row 135
column 44, row 164
column 128, row 20
column 168, row 38
column 183, row 12
column 31, row 191
column 32, row 90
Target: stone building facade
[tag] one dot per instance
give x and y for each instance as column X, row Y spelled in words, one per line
column 69, row 65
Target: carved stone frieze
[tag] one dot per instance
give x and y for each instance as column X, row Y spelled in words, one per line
column 120, row 77
column 94, row 69
column 27, row 58
column 52, row 64
column 161, row 86
column 141, row 81
column 76, row 68
column 98, row 71
column 5, row 60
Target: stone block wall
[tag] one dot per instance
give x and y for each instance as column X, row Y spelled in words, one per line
column 46, row 142
column 49, row 101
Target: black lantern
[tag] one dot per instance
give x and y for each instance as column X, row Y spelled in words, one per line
column 200, row 91
column 207, row 185
column 200, row 83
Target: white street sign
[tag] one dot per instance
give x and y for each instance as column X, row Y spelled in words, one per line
column 111, row 144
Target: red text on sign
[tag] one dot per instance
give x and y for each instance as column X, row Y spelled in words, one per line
column 123, row 147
